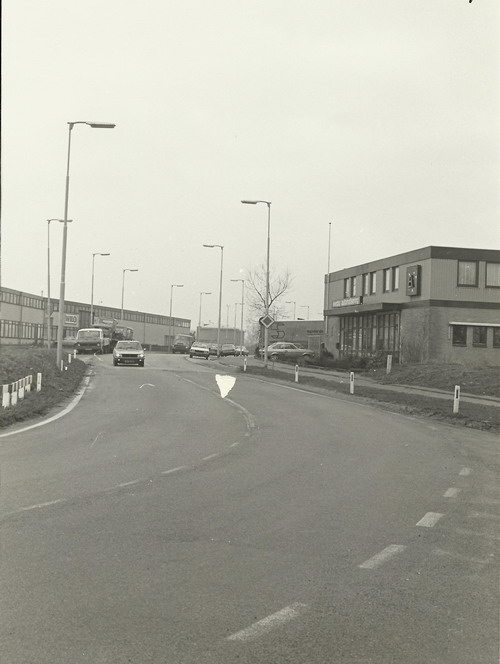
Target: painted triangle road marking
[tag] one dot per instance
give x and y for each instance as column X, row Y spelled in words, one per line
column 225, row 383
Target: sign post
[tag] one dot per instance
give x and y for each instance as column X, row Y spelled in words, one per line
column 351, row 382
column 388, row 368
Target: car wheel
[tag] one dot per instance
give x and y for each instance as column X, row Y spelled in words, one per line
column 141, row 364
column 273, row 357
column 115, row 363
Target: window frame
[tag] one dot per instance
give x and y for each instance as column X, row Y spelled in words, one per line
column 476, row 329
column 486, row 284
column 474, row 285
column 456, row 328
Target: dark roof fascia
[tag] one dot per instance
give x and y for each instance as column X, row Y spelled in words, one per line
column 453, row 253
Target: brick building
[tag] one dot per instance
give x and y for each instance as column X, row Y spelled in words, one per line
column 436, row 304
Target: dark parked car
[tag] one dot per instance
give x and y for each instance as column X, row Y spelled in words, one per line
column 241, row 350
column 128, row 352
column 227, row 349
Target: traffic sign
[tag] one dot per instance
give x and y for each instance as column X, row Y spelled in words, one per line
column 266, row 320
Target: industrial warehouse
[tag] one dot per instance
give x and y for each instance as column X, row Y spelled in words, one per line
column 23, row 321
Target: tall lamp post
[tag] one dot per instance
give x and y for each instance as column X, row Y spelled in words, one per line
column 49, row 313
column 242, row 334
column 266, row 329
column 327, row 303
column 221, row 247
column 305, row 306
column 199, row 317
column 127, row 269
column 92, row 289
column 294, row 308
column 60, row 328
column 172, row 286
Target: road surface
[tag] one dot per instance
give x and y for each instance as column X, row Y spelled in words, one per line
column 158, row 522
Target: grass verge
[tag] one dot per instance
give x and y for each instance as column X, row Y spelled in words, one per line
column 476, row 416
column 57, row 386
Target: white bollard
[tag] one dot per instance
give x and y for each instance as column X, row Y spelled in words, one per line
column 27, row 384
column 351, row 382
column 5, row 396
column 38, row 382
column 69, row 358
column 74, row 353
column 13, row 394
column 62, row 365
column 388, row 368
column 20, row 388
column 456, row 399
column 244, row 364
column 296, row 373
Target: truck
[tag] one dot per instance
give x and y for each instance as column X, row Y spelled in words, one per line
column 182, row 343
column 102, row 337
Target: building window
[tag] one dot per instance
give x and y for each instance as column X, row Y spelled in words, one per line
column 493, row 275
column 467, row 273
column 395, row 278
column 353, row 286
column 387, row 280
column 373, row 283
column 496, row 337
column 459, row 335
column 347, row 288
column 366, row 284
column 479, row 336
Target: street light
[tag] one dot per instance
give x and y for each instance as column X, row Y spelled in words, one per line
column 170, row 332
column 60, row 329
column 199, row 317
column 305, row 306
column 127, row 269
column 92, row 289
column 49, row 322
column 242, row 334
column 294, row 308
column 220, row 246
column 266, row 329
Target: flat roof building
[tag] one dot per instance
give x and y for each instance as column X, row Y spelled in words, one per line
column 435, row 304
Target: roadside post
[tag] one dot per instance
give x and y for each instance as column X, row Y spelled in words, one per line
column 62, row 365
column 351, row 382
column 456, row 399
column 244, row 364
column 5, row 396
column 38, row 382
column 29, row 380
column 13, row 394
column 74, row 353
column 20, row 388
column 388, row 368
column 69, row 358
column 296, row 373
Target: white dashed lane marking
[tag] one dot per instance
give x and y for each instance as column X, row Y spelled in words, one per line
column 271, row 622
column 173, row 470
column 451, row 493
column 465, row 471
column 210, row 456
column 430, row 519
column 380, row 558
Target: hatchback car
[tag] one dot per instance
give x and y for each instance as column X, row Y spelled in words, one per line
column 288, row 351
column 227, row 349
column 128, row 352
column 199, row 350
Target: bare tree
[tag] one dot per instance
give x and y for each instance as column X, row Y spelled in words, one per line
column 279, row 284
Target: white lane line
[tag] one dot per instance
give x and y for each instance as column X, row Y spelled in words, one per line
column 128, row 483
column 380, row 558
column 465, row 471
column 484, row 515
column 95, row 439
column 459, row 556
column 451, row 493
column 172, row 470
column 271, row 622
column 234, row 444
column 33, row 507
column 66, row 410
column 430, row 519
column 211, row 456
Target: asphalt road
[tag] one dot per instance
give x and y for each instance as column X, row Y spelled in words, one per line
column 158, row 522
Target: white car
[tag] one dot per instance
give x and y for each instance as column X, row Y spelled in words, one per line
column 199, row 350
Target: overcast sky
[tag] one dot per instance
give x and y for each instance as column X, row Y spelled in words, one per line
column 379, row 116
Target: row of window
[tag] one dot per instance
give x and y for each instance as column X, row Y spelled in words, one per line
column 460, row 335
column 468, row 274
column 368, row 284
column 368, row 333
